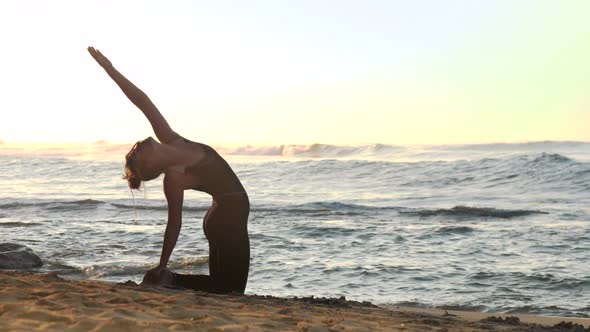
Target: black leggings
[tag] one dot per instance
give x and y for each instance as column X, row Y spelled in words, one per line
column 225, row 226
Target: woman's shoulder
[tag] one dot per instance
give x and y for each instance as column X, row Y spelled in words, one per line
column 206, row 152
column 183, row 140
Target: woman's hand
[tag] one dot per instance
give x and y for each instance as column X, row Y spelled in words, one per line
column 101, row 59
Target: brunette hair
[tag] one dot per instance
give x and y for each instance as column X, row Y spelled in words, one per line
column 134, row 173
column 131, row 173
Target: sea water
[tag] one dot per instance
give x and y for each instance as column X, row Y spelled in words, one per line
column 491, row 227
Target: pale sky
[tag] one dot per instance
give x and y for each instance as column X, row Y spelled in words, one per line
column 299, row 72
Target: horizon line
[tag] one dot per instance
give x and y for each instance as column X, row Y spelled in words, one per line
column 107, row 142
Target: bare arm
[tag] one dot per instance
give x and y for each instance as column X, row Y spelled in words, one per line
column 174, row 196
column 159, row 124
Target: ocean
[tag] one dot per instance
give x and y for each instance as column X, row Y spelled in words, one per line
column 487, row 227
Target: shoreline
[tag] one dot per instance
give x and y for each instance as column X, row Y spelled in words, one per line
column 474, row 316
column 46, row 301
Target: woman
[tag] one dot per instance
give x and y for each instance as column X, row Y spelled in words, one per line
column 189, row 165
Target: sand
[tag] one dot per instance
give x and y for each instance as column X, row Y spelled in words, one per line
column 32, row 301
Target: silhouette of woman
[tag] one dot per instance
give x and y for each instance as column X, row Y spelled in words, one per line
column 189, row 165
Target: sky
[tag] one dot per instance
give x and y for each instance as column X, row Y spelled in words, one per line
column 298, row 72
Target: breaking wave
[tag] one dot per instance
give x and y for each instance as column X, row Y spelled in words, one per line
column 467, row 211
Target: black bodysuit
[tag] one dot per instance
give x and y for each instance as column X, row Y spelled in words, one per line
column 225, row 226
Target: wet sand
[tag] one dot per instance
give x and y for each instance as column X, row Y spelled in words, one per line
column 30, row 301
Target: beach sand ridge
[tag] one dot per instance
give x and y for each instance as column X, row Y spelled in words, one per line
column 33, row 301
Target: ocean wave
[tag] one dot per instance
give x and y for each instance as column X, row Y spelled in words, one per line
column 74, row 205
column 322, row 231
column 550, row 158
column 142, row 207
column 455, row 230
column 320, row 208
column 533, row 145
column 535, row 280
column 379, row 151
column 333, row 208
column 461, row 211
column 185, row 262
column 315, row 150
column 540, row 172
column 547, row 310
column 89, row 204
column 387, row 150
column 103, row 271
column 19, row 224
column 522, row 164
column 53, row 205
column 125, row 269
column 313, row 207
column 419, row 152
column 15, row 205
column 348, row 209
column 162, row 207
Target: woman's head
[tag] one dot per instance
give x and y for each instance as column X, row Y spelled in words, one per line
column 139, row 163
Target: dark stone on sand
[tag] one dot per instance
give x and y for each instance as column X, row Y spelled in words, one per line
column 570, row 327
column 340, row 302
column 17, row 256
column 510, row 320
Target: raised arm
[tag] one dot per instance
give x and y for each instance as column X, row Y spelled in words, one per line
column 159, row 124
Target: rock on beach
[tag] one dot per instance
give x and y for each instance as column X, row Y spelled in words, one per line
column 17, row 256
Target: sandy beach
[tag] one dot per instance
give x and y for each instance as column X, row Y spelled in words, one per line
column 32, row 301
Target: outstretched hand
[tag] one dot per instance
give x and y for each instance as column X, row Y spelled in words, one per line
column 101, row 59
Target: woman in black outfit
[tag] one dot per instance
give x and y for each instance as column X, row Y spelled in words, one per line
column 189, row 165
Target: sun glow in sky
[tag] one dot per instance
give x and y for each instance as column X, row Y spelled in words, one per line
column 299, row 72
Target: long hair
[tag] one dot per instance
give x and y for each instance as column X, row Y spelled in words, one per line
column 131, row 172
column 135, row 172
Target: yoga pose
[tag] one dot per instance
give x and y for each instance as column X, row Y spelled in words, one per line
column 189, row 165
